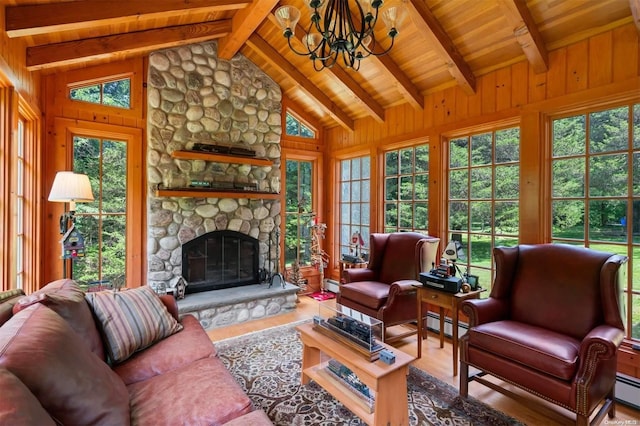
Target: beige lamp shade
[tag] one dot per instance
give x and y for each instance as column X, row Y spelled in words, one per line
column 71, row 187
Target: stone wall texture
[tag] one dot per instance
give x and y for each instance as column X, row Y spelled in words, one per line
column 195, row 97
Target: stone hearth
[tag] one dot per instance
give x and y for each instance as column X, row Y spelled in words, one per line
column 219, row 308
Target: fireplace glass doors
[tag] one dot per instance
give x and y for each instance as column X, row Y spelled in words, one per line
column 220, row 259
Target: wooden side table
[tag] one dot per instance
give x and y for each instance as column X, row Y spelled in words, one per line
column 348, row 265
column 443, row 300
column 388, row 381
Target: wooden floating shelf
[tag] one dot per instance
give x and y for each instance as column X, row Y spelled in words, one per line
column 221, row 158
column 209, row 193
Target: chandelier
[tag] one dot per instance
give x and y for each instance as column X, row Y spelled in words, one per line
column 337, row 33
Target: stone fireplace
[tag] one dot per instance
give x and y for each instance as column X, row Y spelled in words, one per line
column 220, row 259
column 194, row 97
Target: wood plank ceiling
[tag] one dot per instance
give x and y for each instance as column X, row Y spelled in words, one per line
column 444, row 43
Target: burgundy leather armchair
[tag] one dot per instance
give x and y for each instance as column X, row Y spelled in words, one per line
column 385, row 289
column 551, row 326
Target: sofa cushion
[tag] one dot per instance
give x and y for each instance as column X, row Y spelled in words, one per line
column 66, row 298
column 7, row 300
column 39, row 347
column 372, row 294
column 203, row 392
column 544, row 350
column 175, row 351
column 131, row 320
column 18, row 405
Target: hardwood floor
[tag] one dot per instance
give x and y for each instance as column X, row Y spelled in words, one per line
column 438, row 363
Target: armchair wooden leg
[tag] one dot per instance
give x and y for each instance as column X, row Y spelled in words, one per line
column 612, row 397
column 464, row 379
column 582, row 420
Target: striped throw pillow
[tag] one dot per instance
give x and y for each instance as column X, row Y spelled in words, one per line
column 131, row 320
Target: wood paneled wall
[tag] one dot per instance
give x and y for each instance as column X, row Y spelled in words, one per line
column 13, row 70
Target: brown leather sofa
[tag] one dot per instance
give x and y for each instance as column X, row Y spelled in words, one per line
column 53, row 370
column 551, row 326
column 385, row 288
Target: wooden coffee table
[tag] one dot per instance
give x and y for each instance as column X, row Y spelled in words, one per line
column 389, row 382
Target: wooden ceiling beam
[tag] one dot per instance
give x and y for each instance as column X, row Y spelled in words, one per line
column 431, row 29
column 366, row 100
column 526, row 33
column 244, row 23
column 403, row 83
column 31, row 19
column 276, row 60
column 52, row 55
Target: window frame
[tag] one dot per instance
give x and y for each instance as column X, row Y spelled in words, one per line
column 299, row 215
column 339, row 224
column 301, row 122
column 382, row 177
column 586, row 240
column 104, row 73
column 485, row 272
column 101, row 82
column 24, row 197
column 66, row 129
column 100, row 215
column 315, row 158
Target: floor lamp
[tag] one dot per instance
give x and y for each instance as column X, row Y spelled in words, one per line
column 72, row 188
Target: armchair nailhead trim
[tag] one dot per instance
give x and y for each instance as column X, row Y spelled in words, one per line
column 583, row 383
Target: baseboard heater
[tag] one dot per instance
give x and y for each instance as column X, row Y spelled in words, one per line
column 332, row 285
column 627, row 388
column 628, row 391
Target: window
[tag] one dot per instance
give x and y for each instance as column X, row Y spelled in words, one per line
column 116, row 93
column 299, row 215
column 295, row 127
column 595, row 190
column 103, row 223
column 20, row 205
column 355, row 191
column 483, row 196
column 406, row 189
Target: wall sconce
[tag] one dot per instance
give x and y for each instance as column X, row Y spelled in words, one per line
column 72, row 188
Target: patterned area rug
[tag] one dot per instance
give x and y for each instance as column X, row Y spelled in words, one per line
column 267, row 365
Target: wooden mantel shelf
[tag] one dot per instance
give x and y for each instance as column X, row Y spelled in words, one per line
column 210, row 193
column 221, row 158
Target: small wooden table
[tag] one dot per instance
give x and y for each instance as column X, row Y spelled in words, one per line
column 389, row 382
column 443, row 300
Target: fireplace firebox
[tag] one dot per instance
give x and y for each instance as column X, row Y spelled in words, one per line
column 220, row 259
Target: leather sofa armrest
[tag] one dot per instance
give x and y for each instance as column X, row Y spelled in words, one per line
column 404, row 286
column 359, row 274
column 602, row 342
column 481, row 311
column 399, row 288
column 598, row 361
column 171, row 304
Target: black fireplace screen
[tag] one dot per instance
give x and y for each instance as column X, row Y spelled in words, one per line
column 220, row 259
